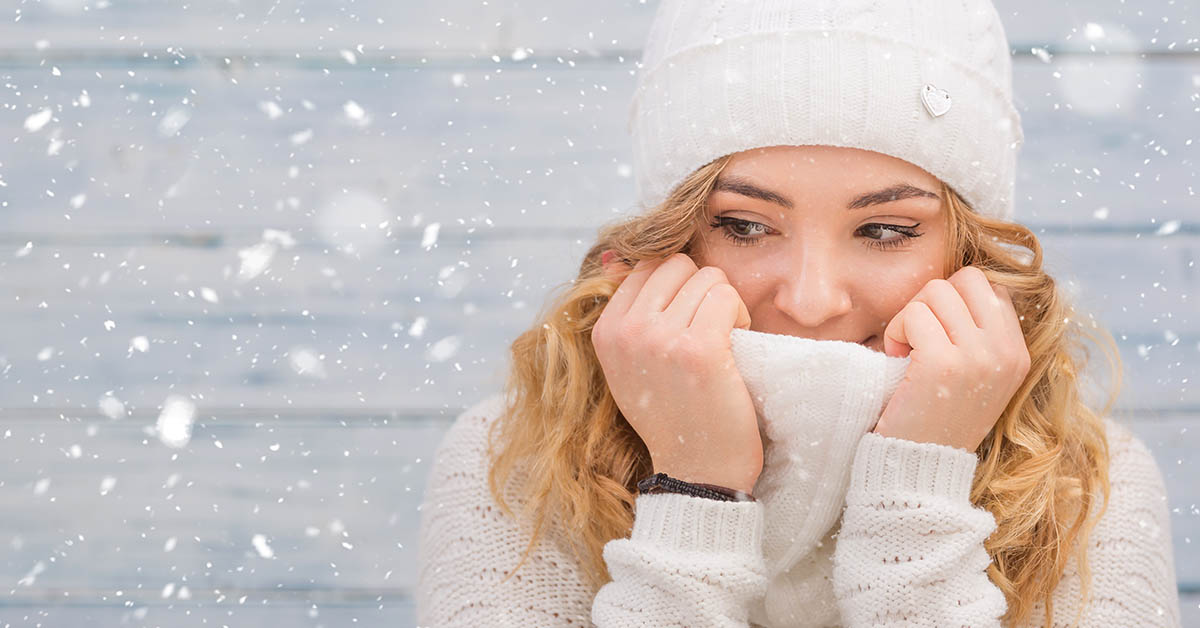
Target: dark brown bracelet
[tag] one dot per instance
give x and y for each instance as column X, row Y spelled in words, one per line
column 663, row 483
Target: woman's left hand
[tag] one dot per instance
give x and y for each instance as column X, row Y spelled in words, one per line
column 968, row 358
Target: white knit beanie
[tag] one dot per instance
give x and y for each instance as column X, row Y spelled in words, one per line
column 926, row 81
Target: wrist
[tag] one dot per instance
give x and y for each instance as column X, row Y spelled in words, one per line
column 733, row 485
column 698, row 473
column 662, row 482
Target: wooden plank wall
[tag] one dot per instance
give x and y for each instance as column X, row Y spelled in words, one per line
column 322, row 222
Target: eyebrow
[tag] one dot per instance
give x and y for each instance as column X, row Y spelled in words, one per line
column 894, row 192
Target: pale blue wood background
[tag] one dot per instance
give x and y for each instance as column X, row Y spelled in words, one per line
column 176, row 133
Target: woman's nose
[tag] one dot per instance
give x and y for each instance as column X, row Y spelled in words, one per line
column 815, row 288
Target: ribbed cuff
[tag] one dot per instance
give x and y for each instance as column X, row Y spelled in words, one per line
column 884, row 465
column 697, row 523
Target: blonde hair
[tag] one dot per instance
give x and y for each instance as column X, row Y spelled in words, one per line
column 1042, row 468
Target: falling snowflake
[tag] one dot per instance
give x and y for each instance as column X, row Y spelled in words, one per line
column 260, row 545
column 173, row 121
column 140, row 343
column 271, row 108
column 305, row 361
column 417, row 329
column 174, row 427
column 443, row 349
column 429, row 238
column 35, row 122
column 1168, row 227
column 111, row 407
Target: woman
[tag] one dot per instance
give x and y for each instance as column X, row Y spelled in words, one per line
column 860, row 383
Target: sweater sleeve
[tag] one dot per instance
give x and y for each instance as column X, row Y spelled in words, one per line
column 468, row 547
column 689, row 561
column 910, row 549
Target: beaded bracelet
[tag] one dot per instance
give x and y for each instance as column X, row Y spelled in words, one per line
column 663, row 483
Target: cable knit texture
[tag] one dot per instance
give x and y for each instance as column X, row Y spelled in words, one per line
column 910, row 551
column 814, row 400
column 906, row 551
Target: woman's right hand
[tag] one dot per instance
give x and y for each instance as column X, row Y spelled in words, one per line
column 663, row 341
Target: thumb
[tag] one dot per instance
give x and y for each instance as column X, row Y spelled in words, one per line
column 895, row 341
column 743, row 317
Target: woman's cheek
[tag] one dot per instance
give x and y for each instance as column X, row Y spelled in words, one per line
column 890, row 287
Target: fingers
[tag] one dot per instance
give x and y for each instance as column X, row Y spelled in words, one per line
column 1012, row 320
column 991, row 305
column 680, row 291
column 965, row 311
column 743, row 320
column 948, row 307
column 628, row 290
column 662, row 285
column 988, row 309
column 914, row 327
column 720, row 311
column 683, row 307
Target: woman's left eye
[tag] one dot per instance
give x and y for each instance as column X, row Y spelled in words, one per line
column 875, row 231
column 740, row 232
column 747, row 232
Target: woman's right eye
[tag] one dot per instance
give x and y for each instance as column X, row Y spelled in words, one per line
column 739, row 231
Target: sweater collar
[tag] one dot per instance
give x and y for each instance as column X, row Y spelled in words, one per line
column 815, row 399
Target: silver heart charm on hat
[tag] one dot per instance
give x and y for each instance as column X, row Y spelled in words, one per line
column 937, row 101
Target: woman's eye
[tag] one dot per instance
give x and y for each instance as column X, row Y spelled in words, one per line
column 877, row 234
column 740, row 232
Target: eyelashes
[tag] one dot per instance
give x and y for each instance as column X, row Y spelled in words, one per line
column 906, row 234
column 728, row 227
column 740, row 232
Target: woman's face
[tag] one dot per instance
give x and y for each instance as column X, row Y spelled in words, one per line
column 824, row 242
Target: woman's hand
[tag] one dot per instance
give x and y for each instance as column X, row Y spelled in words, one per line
column 968, row 358
column 663, row 341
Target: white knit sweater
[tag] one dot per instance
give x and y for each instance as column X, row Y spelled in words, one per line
column 851, row 528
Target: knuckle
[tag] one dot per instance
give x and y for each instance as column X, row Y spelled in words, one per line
column 1023, row 360
column 723, row 292
column 917, row 306
column 972, row 272
column 601, row 326
column 681, row 259
column 603, row 337
column 598, row 334
column 939, row 285
column 969, row 275
column 717, row 274
column 721, row 295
